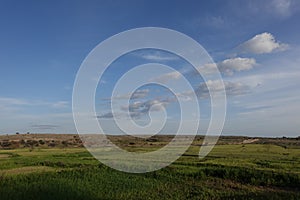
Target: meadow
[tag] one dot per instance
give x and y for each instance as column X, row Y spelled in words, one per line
column 264, row 168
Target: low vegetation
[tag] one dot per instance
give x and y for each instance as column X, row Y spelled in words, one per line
column 237, row 168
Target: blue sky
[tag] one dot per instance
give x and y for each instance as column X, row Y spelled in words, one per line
column 255, row 44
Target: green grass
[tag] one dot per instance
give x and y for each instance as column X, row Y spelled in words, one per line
column 251, row 171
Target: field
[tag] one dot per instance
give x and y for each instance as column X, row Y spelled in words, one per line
column 36, row 166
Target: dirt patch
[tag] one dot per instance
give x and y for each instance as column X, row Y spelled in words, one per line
column 4, row 156
column 249, row 141
column 26, row 170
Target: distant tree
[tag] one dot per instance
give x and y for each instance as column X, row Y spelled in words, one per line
column 17, row 133
column 65, row 143
column 28, row 133
column 41, row 142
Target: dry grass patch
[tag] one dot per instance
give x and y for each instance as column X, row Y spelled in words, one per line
column 4, row 156
column 27, row 170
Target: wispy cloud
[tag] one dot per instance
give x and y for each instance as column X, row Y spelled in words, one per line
column 168, row 77
column 227, row 67
column 157, row 56
column 44, row 126
column 60, row 104
column 215, row 87
column 14, row 103
column 138, row 94
column 216, row 21
column 282, row 7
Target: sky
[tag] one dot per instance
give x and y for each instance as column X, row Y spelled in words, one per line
column 254, row 44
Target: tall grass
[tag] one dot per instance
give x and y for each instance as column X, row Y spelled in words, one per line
column 208, row 182
column 229, row 172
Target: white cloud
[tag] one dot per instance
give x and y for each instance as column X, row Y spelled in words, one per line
column 138, row 109
column 228, row 66
column 262, row 43
column 209, row 68
column 231, row 65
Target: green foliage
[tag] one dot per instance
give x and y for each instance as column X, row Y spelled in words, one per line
column 105, row 183
column 252, row 171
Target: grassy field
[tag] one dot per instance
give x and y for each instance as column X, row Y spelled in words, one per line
column 262, row 169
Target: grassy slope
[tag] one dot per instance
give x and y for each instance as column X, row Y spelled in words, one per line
column 251, row 171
